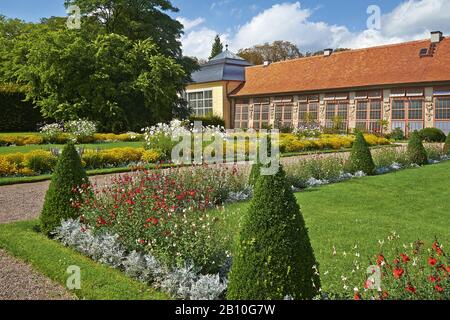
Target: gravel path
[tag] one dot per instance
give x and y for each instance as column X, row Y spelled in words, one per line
column 18, row 281
column 21, row 202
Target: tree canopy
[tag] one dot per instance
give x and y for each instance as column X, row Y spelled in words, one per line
column 120, row 83
column 124, row 68
column 276, row 51
column 135, row 19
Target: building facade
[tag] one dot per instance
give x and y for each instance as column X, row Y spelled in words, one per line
column 377, row 89
column 213, row 83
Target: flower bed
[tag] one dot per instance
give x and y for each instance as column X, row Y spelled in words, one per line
column 294, row 143
column 41, row 161
column 156, row 226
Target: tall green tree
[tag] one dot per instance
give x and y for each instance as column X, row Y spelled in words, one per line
column 120, row 83
column 217, row 47
column 135, row 19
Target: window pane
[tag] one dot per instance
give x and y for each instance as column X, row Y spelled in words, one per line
column 442, row 109
column 331, row 111
column 375, row 110
column 398, row 110
column 416, row 109
column 361, row 111
column 343, row 110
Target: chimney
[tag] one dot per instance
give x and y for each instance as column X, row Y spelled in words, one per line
column 436, row 36
column 327, row 52
column 266, row 63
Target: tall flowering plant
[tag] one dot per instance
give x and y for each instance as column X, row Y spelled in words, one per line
column 398, row 271
column 164, row 213
column 415, row 272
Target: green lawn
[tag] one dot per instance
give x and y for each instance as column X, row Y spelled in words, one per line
column 414, row 203
column 107, row 145
column 98, row 282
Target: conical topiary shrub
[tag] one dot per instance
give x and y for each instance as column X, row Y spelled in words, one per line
column 447, row 145
column 254, row 174
column 361, row 157
column 68, row 174
column 274, row 257
column 416, row 151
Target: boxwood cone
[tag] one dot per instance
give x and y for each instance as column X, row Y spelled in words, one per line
column 416, row 151
column 447, row 145
column 361, row 157
column 254, row 174
column 68, row 174
column 274, row 257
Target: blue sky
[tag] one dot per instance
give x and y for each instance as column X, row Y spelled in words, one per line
column 312, row 25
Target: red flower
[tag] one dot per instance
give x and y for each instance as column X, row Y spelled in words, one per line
column 438, row 288
column 380, row 260
column 398, row 273
column 448, row 269
column 153, row 221
column 432, row 261
column 101, row 221
column 410, row 288
column 434, row 279
column 405, row 258
column 437, row 248
column 357, row 297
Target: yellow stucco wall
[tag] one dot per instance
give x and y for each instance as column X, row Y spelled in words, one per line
column 220, row 91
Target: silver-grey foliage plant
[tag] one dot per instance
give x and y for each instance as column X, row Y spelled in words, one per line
column 183, row 283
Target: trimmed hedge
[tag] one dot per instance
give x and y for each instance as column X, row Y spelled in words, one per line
column 209, row 120
column 254, row 174
column 17, row 115
column 274, row 257
column 416, row 151
column 61, row 195
column 360, row 157
column 432, row 135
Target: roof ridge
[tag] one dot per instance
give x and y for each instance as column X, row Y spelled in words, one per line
column 351, row 51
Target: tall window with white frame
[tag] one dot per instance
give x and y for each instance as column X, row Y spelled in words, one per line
column 407, row 109
column 261, row 113
column 442, row 108
column 308, row 111
column 201, row 102
column 283, row 111
column 336, row 112
column 241, row 113
column 369, row 111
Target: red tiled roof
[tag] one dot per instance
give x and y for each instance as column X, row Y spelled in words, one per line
column 384, row 65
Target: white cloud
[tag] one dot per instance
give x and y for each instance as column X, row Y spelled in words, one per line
column 289, row 21
column 190, row 24
column 198, row 43
column 411, row 20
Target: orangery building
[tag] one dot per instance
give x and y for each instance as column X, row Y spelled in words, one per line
column 376, row 89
